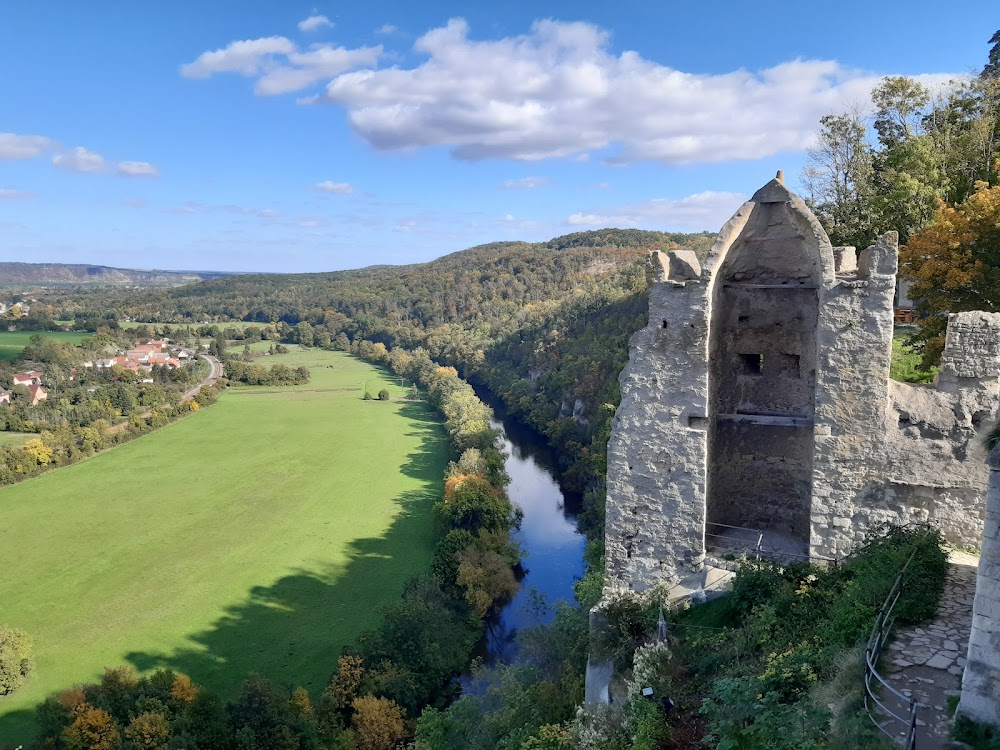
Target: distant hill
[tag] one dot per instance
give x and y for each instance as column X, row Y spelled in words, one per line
column 73, row 274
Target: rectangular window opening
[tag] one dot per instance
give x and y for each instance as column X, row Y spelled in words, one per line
column 753, row 364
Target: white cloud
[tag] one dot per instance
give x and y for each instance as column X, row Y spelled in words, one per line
column 247, row 57
column 10, row 194
column 14, row 146
column 387, row 28
column 323, row 62
column 315, row 22
column 707, row 210
column 79, row 160
column 137, row 169
column 559, row 91
column 311, row 223
column 194, row 207
column 279, row 65
column 336, row 188
column 525, row 183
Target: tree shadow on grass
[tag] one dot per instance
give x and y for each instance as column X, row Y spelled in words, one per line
column 293, row 631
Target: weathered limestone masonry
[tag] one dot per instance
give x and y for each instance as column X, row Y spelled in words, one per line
column 980, row 699
column 758, row 396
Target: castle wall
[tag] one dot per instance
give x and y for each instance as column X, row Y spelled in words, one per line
column 657, row 454
column 763, row 375
column 980, row 700
column 855, row 348
column 758, row 395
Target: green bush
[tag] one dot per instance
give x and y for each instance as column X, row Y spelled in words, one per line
column 15, row 659
column 976, row 736
column 796, row 623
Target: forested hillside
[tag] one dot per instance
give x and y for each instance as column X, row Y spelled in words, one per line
column 69, row 274
column 543, row 325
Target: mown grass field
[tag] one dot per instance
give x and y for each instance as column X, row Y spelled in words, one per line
column 260, row 534
column 15, row 438
column 13, row 342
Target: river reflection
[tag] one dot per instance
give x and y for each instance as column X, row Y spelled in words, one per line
column 553, row 547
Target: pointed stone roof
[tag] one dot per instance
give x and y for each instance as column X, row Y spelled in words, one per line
column 774, row 191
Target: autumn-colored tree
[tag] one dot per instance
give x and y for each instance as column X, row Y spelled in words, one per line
column 300, row 703
column 378, row 723
column 486, row 577
column 92, row 729
column 183, row 691
column 954, row 264
column 38, row 451
column 473, row 504
column 344, row 686
column 148, row 731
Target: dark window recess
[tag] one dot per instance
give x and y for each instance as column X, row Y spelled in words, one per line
column 753, row 364
column 743, row 319
column 788, row 365
column 664, row 324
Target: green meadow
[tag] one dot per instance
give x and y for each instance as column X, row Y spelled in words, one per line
column 260, row 534
column 13, row 342
column 15, row 438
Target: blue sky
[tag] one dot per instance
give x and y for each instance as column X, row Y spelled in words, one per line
column 251, row 135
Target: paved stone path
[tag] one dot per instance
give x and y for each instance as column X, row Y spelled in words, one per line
column 926, row 662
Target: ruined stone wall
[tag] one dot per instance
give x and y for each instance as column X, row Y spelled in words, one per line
column 758, row 395
column 855, row 348
column 657, row 454
column 980, row 700
column 763, row 373
column 936, row 463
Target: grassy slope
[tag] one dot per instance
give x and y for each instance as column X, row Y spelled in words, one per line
column 15, row 438
column 260, row 534
column 13, row 342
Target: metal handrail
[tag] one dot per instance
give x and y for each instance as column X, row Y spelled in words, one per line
column 742, row 542
column 874, row 706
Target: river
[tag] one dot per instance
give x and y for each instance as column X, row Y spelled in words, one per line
column 553, row 547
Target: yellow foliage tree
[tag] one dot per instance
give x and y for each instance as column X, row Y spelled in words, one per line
column 300, row 702
column 343, row 688
column 183, row 691
column 92, row 729
column 378, row 723
column 39, row 451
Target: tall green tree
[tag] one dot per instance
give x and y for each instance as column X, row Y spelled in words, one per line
column 839, row 179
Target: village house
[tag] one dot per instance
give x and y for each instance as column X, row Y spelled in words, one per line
column 4, row 396
column 37, row 393
column 34, row 377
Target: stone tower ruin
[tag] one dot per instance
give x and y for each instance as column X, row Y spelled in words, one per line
column 758, row 396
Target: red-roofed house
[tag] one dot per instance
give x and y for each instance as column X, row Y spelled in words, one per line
column 28, row 378
column 37, row 393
